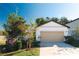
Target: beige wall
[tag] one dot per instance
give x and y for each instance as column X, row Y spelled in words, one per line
column 2, row 40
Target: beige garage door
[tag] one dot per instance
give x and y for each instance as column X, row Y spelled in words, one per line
column 52, row 36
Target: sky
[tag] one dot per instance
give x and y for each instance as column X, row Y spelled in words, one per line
column 31, row 11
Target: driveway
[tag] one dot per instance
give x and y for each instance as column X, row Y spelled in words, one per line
column 58, row 48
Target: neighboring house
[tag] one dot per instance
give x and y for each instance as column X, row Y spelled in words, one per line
column 74, row 26
column 2, row 40
column 2, row 37
column 51, row 32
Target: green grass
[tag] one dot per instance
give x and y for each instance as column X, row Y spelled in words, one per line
column 24, row 52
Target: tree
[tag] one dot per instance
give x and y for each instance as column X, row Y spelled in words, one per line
column 63, row 20
column 47, row 19
column 40, row 21
column 30, row 34
column 54, row 19
column 14, row 27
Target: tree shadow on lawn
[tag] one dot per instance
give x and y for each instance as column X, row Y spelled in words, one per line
column 24, row 52
column 11, row 53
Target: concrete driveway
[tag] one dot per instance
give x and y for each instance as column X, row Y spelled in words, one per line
column 58, row 48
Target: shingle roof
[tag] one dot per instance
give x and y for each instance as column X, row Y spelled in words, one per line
column 62, row 24
column 57, row 23
column 73, row 20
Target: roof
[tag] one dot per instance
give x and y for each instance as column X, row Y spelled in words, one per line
column 73, row 20
column 57, row 23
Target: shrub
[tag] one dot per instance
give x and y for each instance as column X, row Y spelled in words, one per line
column 18, row 45
column 3, row 48
column 72, row 41
column 36, row 44
column 9, row 48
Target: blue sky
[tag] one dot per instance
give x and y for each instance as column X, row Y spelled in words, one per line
column 33, row 11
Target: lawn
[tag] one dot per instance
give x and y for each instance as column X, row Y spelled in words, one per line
column 23, row 52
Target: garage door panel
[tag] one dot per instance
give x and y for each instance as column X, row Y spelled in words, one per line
column 52, row 36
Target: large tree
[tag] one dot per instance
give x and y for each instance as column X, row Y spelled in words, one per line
column 54, row 19
column 40, row 21
column 15, row 27
column 63, row 20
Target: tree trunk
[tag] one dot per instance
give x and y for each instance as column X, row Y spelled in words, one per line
column 27, row 45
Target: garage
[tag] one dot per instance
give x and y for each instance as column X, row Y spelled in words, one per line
column 51, row 32
column 52, row 36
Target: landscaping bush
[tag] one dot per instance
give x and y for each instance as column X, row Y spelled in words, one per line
column 2, row 48
column 36, row 44
column 18, row 45
column 9, row 48
column 70, row 40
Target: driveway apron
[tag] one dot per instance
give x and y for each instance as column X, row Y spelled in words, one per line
column 57, row 48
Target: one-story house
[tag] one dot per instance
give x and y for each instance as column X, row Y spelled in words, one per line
column 51, row 32
column 74, row 26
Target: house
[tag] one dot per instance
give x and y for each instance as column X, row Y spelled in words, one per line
column 74, row 26
column 51, row 32
column 2, row 40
